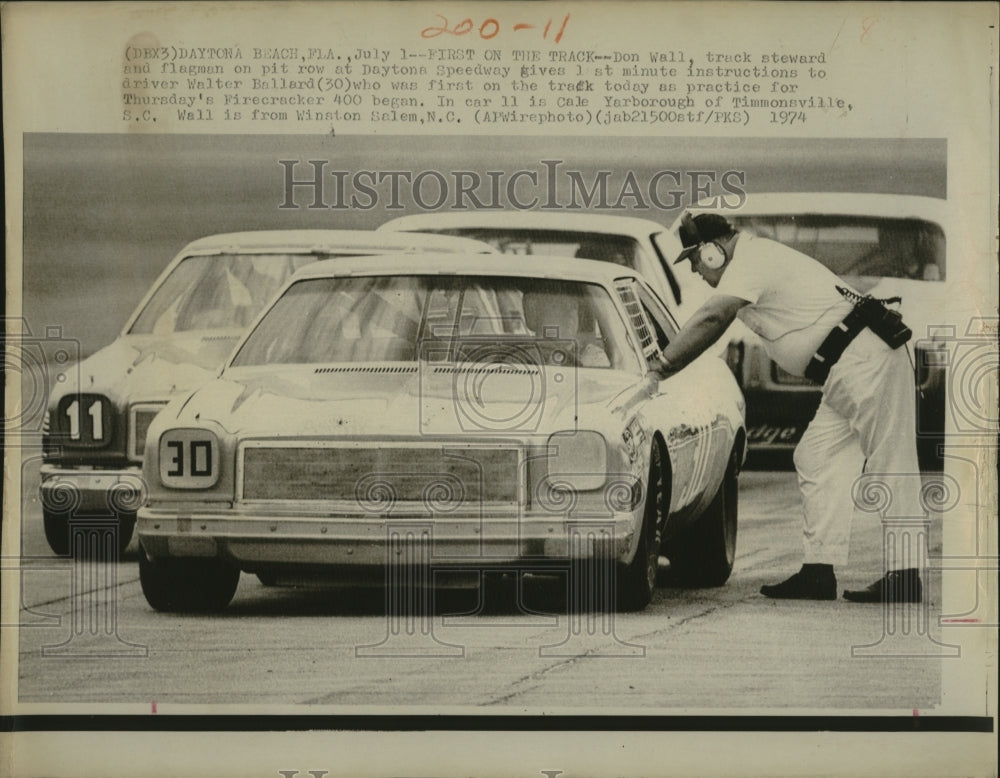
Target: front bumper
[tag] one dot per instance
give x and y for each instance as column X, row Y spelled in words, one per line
column 260, row 540
column 73, row 490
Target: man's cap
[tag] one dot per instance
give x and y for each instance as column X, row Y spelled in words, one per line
column 703, row 228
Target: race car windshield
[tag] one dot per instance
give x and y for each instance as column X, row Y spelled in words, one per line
column 222, row 291
column 446, row 319
column 853, row 246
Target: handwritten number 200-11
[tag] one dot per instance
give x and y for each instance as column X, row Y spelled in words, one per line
column 488, row 29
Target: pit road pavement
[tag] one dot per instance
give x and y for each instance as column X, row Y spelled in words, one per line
column 87, row 635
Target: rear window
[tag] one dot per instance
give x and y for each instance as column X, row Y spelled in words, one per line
column 619, row 249
column 859, row 245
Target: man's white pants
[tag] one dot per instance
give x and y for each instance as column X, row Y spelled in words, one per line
column 867, row 412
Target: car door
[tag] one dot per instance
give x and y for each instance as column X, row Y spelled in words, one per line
column 674, row 409
column 714, row 399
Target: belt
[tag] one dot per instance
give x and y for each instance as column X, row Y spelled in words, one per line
column 831, row 349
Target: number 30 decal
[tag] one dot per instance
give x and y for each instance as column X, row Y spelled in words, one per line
column 189, row 459
column 199, row 459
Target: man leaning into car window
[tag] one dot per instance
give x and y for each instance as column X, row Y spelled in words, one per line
column 811, row 326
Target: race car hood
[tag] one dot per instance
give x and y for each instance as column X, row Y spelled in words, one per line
column 401, row 400
column 141, row 367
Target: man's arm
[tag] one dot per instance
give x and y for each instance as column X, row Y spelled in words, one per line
column 705, row 327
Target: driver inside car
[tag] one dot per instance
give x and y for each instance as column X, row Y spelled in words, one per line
column 551, row 314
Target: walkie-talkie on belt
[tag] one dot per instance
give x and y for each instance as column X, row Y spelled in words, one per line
column 884, row 322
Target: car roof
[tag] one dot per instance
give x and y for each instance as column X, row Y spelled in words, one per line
column 521, row 265
column 531, row 220
column 834, row 203
column 307, row 241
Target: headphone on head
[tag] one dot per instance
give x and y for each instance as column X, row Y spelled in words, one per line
column 713, row 255
column 710, row 252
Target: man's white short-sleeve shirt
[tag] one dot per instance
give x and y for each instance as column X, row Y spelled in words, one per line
column 794, row 302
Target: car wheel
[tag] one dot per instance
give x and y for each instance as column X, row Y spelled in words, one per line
column 187, row 585
column 126, row 526
column 930, row 429
column 637, row 580
column 703, row 554
column 498, row 591
column 57, row 531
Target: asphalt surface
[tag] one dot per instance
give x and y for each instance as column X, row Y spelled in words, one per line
column 87, row 635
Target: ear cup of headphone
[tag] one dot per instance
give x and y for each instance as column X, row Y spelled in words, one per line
column 712, row 255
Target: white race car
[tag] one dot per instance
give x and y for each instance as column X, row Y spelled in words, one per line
column 643, row 245
column 178, row 337
column 501, row 412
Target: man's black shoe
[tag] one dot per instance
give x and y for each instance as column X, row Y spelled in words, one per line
column 812, row 582
column 895, row 586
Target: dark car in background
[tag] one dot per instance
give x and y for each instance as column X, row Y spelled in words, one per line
column 643, row 245
column 882, row 245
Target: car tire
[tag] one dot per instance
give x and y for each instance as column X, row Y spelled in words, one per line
column 930, row 430
column 187, row 585
column 126, row 528
column 57, row 531
column 637, row 580
column 702, row 554
column 498, row 591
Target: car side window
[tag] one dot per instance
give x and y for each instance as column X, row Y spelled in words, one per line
column 657, row 314
column 639, row 323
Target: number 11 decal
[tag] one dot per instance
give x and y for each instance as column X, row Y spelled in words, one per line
column 96, row 420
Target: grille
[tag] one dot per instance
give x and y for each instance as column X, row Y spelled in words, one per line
column 141, row 416
column 219, row 338
column 440, row 478
column 489, row 369
column 371, row 369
